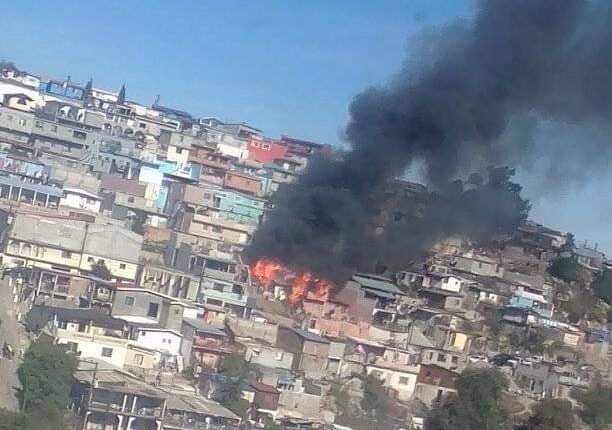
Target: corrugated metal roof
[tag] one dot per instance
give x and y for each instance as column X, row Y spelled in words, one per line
column 376, row 282
column 39, row 188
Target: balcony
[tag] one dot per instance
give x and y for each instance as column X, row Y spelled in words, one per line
column 221, row 275
column 90, row 337
column 229, row 297
column 105, row 406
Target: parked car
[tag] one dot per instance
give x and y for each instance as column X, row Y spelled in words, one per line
column 478, row 359
column 504, row 360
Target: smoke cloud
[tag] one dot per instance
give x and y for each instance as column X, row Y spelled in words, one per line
column 484, row 92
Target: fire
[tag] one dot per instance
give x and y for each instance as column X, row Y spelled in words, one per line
column 265, row 271
column 302, row 284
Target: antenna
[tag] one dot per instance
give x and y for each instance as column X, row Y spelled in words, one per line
column 156, row 101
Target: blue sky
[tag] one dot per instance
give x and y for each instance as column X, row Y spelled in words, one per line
column 285, row 66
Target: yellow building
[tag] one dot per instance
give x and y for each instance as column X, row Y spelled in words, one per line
column 69, row 247
column 114, row 246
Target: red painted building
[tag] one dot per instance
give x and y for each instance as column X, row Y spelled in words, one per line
column 265, row 150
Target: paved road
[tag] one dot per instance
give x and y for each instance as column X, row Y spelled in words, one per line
column 12, row 333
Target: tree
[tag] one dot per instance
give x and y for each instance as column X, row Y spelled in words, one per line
column 234, row 374
column 581, row 303
column 596, row 406
column 552, row 414
column 565, row 269
column 602, row 286
column 375, row 401
column 46, row 376
column 476, row 405
column 339, row 397
column 10, row 420
column 100, row 270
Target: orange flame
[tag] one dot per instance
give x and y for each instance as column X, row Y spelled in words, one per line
column 265, row 272
column 302, row 284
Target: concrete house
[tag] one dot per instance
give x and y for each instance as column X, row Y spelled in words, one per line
column 434, row 383
column 480, row 265
column 310, row 351
column 115, row 247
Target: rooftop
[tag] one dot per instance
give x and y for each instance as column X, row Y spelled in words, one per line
column 376, row 283
column 308, row 335
column 186, row 401
column 59, row 233
column 112, row 241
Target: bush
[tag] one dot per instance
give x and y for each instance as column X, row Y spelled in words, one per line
column 552, row 414
column 564, row 268
column 596, row 405
column 475, row 406
column 602, row 286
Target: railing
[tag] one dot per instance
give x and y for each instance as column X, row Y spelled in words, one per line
column 149, row 412
column 184, row 423
column 90, row 337
column 105, row 406
column 222, row 295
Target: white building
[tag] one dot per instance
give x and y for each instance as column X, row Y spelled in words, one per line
column 80, row 199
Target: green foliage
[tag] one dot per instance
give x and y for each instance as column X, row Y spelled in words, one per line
column 552, row 414
column 11, row 420
column 101, row 271
column 475, row 406
column 46, row 376
column 533, row 340
column 580, row 304
column 602, row 286
column 339, row 397
column 234, row 372
column 375, row 401
column 565, row 269
column 596, row 405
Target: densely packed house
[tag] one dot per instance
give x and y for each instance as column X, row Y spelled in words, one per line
column 123, row 231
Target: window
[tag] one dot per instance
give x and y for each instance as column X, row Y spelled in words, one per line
column 430, row 355
column 90, row 259
column 138, row 359
column 404, row 380
column 131, row 199
column 38, row 124
column 107, row 352
column 142, row 125
column 54, row 128
column 441, row 357
column 79, row 135
column 454, row 359
column 122, row 265
column 66, row 254
column 72, row 347
column 22, row 122
column 129, row 301
column 153, row 309
column 217, row 229
column 100, row 261
column 179, row 150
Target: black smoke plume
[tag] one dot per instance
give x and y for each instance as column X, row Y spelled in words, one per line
column 459, row 109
